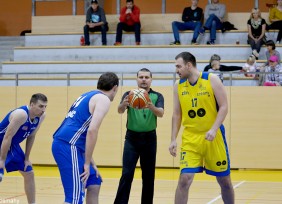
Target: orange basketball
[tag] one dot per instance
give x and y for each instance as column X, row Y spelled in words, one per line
column 138, row 98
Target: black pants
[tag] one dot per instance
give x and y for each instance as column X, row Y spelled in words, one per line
column 277, row 25
column 255, row 46
column 143, row 145
column 122, row 26
column 103, row 29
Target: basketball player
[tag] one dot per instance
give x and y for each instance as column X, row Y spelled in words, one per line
column 75, row 140
column 200, row 103
column 140, row 141
column 18, row 125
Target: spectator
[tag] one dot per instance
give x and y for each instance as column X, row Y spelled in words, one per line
column 256, row 31
column 251, row 66
column 275, row 17
column 214, row 14
column 272, row 77
column 129, row 21
column 271, row 50
column 192, row 17
column 140, row 141
column 215, row 66
column 95, row 21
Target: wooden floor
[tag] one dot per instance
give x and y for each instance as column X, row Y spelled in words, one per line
column 251, row 186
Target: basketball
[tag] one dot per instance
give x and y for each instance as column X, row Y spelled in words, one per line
column 138, row 98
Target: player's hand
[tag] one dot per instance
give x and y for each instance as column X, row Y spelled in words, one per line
column 125, row 102
column 26, row 164
column 210, row 135
column 85, row 175
column 150, row 105
column 97, row 171
column 173, row 148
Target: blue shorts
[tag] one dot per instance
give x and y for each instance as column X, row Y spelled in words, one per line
column 70, row 161
column 15, row 159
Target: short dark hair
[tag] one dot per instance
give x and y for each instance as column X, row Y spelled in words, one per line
column 107, row 81
column 187, row 57
column 144, row 70
column 270, row 43
column 38, row 96
column 129, row 1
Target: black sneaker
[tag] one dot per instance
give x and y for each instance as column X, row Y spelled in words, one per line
column 175, row 43
column 194, row 42
column 211, row 42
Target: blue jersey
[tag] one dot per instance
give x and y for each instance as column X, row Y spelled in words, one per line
column 24, row 131
column 74, row 128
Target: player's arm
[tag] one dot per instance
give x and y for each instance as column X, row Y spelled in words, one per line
column 123, row 104
column 99, row 105
column 176, row 120
column 157, row 109
column 221, row 98
column 30, row 139
column 17, row 118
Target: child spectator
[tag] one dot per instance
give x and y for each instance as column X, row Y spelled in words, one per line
column 251, row 66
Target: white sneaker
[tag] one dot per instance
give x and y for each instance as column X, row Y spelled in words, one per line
column 278, row 42
column 255, row 53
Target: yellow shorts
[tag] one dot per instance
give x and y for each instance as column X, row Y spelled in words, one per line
column 198, row 154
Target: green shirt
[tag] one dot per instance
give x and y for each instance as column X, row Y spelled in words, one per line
column 144, row 120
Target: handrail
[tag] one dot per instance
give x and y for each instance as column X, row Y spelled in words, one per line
column 68, row 77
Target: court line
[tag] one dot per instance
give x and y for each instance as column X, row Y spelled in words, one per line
column 218, row 197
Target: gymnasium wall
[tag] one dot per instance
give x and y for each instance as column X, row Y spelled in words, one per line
column 15, row 16
column 253, row 125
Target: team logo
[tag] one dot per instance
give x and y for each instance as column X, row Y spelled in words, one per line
column 201, row 112
column 24, row 127
column 192, row 113
column 35, row 121
column 221, row 163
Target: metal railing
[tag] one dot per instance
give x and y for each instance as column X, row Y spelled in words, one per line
column 126, row 78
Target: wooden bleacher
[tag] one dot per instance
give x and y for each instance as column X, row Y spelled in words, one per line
column 151, row 23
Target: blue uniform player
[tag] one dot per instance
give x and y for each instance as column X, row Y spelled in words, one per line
column 18, row 125
column 75, row 139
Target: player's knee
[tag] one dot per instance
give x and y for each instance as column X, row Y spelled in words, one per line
column 28, row 175
column 185, row 182
column 93, row 190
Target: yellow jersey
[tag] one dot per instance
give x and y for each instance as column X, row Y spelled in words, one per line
column 198, row 104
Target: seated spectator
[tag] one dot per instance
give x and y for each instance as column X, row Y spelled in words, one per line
column 275, row 17
column 129, row 21
column 191, row 17
column 251, row 66
column 272, row 77
column 256, row 31
column 271, row 50
column 95, row 21
column 214, row 14
column 215, row 66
